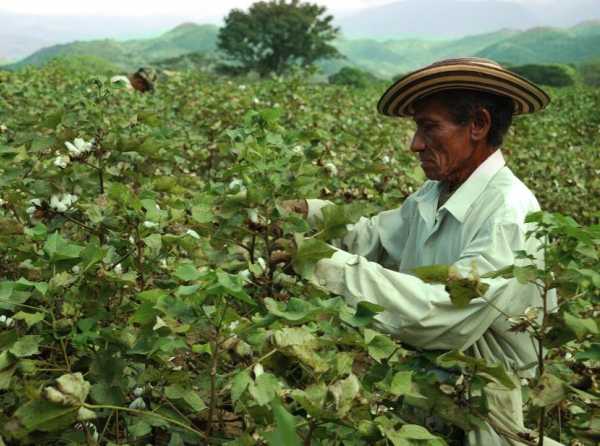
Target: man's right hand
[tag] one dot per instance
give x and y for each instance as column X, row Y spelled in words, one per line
column 296, row 206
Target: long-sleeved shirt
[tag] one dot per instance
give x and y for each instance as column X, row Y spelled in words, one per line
column 481, row 226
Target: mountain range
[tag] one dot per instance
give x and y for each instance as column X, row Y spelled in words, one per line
column 22, row 34
column 382, row 58
column 459, row 18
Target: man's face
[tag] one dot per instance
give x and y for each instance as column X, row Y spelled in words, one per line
column 443, row 146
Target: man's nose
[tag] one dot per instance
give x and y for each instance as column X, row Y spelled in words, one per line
column 418, row 143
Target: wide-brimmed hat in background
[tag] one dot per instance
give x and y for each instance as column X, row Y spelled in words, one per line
column 469, row 73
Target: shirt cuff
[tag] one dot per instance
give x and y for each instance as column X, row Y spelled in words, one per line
column 329, row 272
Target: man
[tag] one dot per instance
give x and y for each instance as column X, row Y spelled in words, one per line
column 469, row 214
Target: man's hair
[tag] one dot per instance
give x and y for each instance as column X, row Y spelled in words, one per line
column 464, row 104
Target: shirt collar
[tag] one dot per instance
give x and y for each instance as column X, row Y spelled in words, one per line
column 462, row 199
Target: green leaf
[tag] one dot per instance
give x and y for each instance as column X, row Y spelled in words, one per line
column 336, row 218
column 344, row 392
column 380, row 346
column 26, row 346
column 581, row 327
column 45, row 416
column 233, row 285
column 401, row 383
column 312, row 399
column 187, row 272
column 59, row 248
column 592, row 353
column 239, row 384
column 309, row 252
column 154, row 242
column 285, row 427
column 30, row 318
column 264, row 389
column 202, row 213
column 364, row 315
column 191, row 397
column 433, row 273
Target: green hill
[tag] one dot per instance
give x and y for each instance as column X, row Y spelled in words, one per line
column 193, row 46
column 131, row 54
column 548, row 45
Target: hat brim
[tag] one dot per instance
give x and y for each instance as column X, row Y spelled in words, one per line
column 399, row 99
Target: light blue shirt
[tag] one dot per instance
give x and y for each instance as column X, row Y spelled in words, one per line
column 480, row 227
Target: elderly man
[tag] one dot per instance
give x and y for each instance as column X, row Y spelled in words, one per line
column 471, row 214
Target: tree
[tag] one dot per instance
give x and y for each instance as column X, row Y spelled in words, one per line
column 272, row 36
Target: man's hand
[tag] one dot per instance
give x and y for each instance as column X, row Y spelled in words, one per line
column 296, row 206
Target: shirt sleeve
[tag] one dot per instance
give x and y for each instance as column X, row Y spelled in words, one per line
column 366, row 237
column 422, row 314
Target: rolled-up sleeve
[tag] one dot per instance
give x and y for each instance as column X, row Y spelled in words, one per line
column 422, row 314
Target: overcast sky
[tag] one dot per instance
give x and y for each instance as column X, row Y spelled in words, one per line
column 195, row 8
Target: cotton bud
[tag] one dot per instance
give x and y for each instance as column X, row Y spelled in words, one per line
column 76, row 269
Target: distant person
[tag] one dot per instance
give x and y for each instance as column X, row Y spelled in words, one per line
column 470, row 214
column 142, row 80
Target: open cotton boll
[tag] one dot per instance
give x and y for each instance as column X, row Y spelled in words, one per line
column 62, row 202
column 138, row 403
column 62, row 161
column 79, row 146
column 331, row 169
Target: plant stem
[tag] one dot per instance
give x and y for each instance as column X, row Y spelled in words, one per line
column 145, row 413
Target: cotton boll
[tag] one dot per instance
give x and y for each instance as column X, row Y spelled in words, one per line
column 150, row 224
column 331, row 169
column 138, row 403
column 62, row 161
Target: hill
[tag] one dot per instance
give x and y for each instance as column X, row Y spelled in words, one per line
column 192, row 45
column 131, row 54
column 548, row 45
column 458, row 18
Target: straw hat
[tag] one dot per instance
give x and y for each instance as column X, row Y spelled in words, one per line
column 469, row 73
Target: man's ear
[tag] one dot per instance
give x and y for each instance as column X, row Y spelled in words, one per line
column 481, row 124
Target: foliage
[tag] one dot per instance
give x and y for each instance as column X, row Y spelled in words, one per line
column 143, row 304
column 274, row 35
column 352, row 77
column 553, row 75
column 590, row 73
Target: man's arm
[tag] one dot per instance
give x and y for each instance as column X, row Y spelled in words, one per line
column 422, row 314
column 364, row 237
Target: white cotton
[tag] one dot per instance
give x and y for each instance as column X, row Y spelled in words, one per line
column 79, row 146
column 138, row 403
column 192, row 233
column 385, row 159
column 331, row 169
column 62, row 202
column 138, row 391
column 62, row 161
column 258, row 370
column 150, row 224
column 118, row 269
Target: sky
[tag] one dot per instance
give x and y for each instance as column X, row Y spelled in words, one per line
column 195, row 8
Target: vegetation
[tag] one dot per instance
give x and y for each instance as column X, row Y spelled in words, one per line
column 590, row 73
column 383, row 59
column 352, row 77
column 141, row 295
column 275, row 35
column 553, row 75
